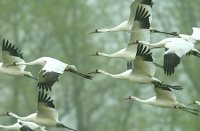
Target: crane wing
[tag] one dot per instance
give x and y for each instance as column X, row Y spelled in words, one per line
column 143, row 63
column 140, row 29
column 142, row 34
column 25, row 128
column 11, row 54
column 133, row 7
column 142, row 18
column 174, row 50
column 29, row 126
column 46, row 107
column 47, row 79
column 164, row 93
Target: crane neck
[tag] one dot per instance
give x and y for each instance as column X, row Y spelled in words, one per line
column 17, row 117
column 149, row 101
column 11, row 127
column 124, row 26
column 124, row 75
column 114, row 55
column 39, row 61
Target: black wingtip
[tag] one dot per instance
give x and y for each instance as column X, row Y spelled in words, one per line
column 12, row 49
column 148, row 2
column 43, row 97
column 171, row 60
column 144, row 52
column 142, row 15
column 45, row 86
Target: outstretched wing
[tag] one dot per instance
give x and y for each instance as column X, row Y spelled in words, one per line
column 140, row 29
column 142, row 19
column 174, row 50
column 143, row 63
column 46, row 107
column 25, row 128
column 11, row 54
column 29, row 126
column 164, row 93
column 133, row 7
column 47, row 79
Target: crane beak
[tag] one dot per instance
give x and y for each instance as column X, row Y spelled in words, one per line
column 91, row 33
column 92, row 55
column 94, row 72
column 190, row 104
column 124, row 99
column 96, row 31
column 95, row 54
column 4, row 114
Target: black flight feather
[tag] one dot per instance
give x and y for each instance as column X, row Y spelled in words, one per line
column 142, row 15
column 144, row 52
column 25, row 128
column 47, row 79
column 44, row 98
column 171, row 60
column 14, row 51
column 147, row 2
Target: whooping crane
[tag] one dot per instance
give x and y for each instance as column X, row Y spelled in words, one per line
column 46, row 114
column 52, row 69
column 139, row 32
column 175, row 48
column 143, row 70
column 166, row 99
column 11, row 54
column 127, row 25
column 24, row 126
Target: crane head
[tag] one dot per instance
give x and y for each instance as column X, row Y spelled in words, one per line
column 5, row 114
column 71, row 67
column 95, row 54
column 95, row 72
column 95, row 31
column 130, row 97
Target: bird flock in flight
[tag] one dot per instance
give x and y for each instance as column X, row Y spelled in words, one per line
column 141, row 68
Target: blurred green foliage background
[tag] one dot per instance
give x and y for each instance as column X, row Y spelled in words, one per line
column 59, row 29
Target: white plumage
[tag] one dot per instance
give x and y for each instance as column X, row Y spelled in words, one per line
column 139, row 31
column 175, row 48
column 143, row 69
column 195, row 103
column 24, row 126
column 127, row 25
column 10, row 55
column 46, row 114
column 166, row 99
column 52, row 69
